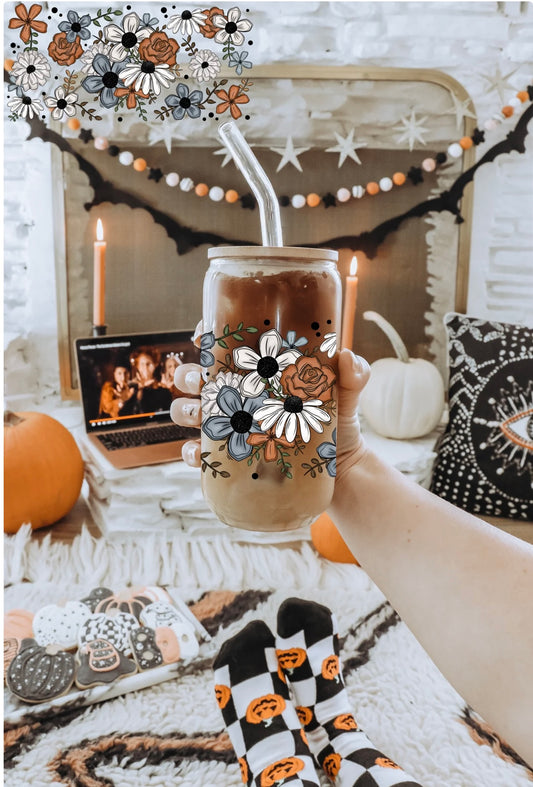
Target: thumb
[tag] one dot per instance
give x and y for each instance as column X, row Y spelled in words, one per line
column 354, row 373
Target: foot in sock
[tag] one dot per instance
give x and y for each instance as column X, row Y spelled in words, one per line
column 307, row 648
column 262, row 724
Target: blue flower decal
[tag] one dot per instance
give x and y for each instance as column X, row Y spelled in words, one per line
column 76, row 26
column 106, row 80
column 329, row 451
column 239, row 61
column 236, row 422
column 292, row 342
column 13, row 86
column 185, row 102
column 207, row 341
column 149, row 21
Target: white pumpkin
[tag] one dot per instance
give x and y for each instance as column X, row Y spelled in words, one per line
column 404, row 397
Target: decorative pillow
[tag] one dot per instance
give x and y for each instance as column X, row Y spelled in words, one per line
column 485, row 457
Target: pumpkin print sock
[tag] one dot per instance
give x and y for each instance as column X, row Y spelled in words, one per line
column 307, row 647
column 263, row 726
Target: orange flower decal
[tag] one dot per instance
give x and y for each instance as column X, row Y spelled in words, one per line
column 230, row 100
column 222, row 695
column 27, row 21
column 208, row 29
column 332, row 765
column 305, row 715
column 159, row 48
column 281, row 770
column 132, row 94
column 244, row 770
column 270, row 441
column 308, row 378
column 264, row 709
column 330, row 668
column 289, row 660
column 62, row 51
column 386, row 763
column 345, row 722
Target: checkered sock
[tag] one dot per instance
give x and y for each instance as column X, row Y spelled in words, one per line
column 307, row 647
column 262, row 724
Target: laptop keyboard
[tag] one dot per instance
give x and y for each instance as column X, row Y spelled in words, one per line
column 133, row 438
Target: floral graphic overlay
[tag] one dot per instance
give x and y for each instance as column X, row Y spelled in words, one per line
column 265, row 403
column 129, row 62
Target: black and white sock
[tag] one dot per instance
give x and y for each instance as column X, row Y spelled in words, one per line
column 262, row 724
column 307, row 647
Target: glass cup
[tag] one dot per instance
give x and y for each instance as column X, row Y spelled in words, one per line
column 269, row 403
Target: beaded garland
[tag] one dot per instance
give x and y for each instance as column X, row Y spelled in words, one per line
column 312, row 200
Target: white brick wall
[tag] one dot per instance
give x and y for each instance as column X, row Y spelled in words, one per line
column 466, row 40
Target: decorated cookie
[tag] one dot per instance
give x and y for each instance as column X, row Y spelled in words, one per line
column 59, row 625
column 39, row 674
column 145, row 649
column 114, row 627
column 18, row 623
column 11, row 648
column 96, row 596
column 132, row 600
column 101, row 663
column 162, row 615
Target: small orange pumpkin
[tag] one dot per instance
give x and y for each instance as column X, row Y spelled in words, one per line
column 265, row 708
column 222, row 695
column 386, row 763
column 244, row 770
column 305, row 715
column 345, row 722
column 332, row 765
column 281, row 770
column 330, row 668
column 43, row 470
column 289, row 660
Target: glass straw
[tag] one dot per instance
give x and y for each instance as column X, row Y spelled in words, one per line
column 256, row 178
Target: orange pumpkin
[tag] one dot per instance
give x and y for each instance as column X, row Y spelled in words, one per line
column 332, row 765
column 345, row 722
column 281, row 770
column 289, row 660
column 330, row 668
column 244, row 770
column 329, row 543
column 386, row 763
column 265, row 708
column 305, row 715
column 43, row 470
column 222, row 695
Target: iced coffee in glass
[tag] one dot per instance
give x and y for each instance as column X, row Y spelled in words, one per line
column 271, row 317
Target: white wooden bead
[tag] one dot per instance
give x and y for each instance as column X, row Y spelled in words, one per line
column 343, row 195
column 216, row 193
column 429, row 164
column 514, row 102
column 126, row 158
column 298, row 201
column 101, row 143
column 172, row 179
column 186, row 184
column 455, row 150
column 385, row 184
column 490, row 124
column 358, row 192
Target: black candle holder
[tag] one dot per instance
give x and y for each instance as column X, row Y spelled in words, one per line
column 99, row 330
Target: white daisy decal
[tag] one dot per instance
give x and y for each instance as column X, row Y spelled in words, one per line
column 148, row 77
column 25, row 106
column 61, row 103
column 188, row 22
column 31, row 69
column 205, row 65
column 231, row 27
column 290, row 413
column 329, row 344
column 266, row 366
column 211, row 390
column 86, row 60
column 125, row 38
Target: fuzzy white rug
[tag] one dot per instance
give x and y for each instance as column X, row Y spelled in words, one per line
column 171, row 735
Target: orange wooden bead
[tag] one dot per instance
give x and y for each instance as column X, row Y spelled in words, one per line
column 507, row 111
column 201, row 189
column 231, row 196
column 73, row 124
column 398, row 178
column 466, row 143
column 372, row 188
column 8, row 64
column 523, row 96
column 139, row 165
column 313, row 200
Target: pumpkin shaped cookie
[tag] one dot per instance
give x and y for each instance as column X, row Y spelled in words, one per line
column 145, row 649
column 114, row 628
column 132, row 600
column 59, row 625
column 101, row 663
column 40, row 674
column 162, row 615
column 96, row 596
column 11, row 648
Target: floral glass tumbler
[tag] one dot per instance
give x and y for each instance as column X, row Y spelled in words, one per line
column 269, row 357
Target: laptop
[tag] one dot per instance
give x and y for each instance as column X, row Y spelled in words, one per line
column 126, row 386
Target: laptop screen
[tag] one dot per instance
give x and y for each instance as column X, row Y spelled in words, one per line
column 129, row 380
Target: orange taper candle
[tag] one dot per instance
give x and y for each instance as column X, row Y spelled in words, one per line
column 350, row 302
column 99, row 276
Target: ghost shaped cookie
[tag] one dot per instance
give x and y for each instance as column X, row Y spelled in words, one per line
column 101, row 663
